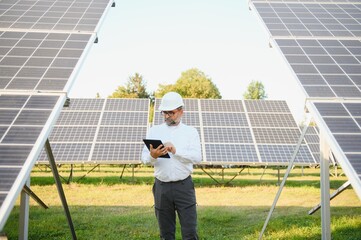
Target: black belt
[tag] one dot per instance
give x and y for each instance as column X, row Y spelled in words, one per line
column 179, row 181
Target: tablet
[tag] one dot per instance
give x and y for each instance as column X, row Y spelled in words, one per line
column 155, row 143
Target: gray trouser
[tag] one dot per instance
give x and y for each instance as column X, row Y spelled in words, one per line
column 170, row 197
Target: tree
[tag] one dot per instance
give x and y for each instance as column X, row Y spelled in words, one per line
column 255, row 90
column 134, row 88
column 192, row 83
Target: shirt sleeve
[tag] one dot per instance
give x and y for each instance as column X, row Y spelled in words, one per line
column 191, row 152
column 146, row 157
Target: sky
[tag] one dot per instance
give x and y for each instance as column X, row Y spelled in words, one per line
column 160, row 39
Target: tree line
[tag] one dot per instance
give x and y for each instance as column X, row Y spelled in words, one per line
column 192, row 83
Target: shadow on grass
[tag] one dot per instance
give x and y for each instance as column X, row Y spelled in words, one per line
column 198, row 181
column 215, row 223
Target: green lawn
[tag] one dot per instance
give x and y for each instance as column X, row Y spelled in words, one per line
column 103, row 206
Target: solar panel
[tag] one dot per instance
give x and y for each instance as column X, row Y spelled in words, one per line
column 232, row 130
column 54, row 15
column 265, row 106
column 39, row 60
column 100, row 130
column 310, row 19
column 275, row 132
column 23, row 132
column 42, row 44
column 341, row 120
column 313, row 141
column 325, row 68
column 231, row 154
column 321, row 43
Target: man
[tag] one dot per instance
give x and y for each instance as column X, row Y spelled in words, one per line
column 173, row 188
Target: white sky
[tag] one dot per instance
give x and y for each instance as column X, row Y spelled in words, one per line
column 160, row 39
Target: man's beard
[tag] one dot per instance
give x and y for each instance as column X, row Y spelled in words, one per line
column 170, row 122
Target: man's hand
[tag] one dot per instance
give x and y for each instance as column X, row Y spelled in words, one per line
column 157, row 152
column 170, row 147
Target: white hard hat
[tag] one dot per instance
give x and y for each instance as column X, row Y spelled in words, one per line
column 171, row 101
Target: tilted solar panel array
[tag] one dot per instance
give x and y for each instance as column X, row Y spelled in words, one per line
column 321, row 42
column 244, row 132
column 107, row 131
column 42, row 45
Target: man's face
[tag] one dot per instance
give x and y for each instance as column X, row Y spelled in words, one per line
column 172, row 118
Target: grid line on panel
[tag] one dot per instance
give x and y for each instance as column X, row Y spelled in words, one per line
column 97, row 131
column 201, row 132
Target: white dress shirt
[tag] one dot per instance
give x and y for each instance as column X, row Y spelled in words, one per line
column 188, row 151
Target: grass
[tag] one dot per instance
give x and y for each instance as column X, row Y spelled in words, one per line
column 103, row 206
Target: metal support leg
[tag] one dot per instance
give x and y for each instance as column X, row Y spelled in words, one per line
column 264, row 170
column 24, row 214
column 325, row 191
column 290, row 165
column 59, row 187
column 87, row 173
column 71, row 174
column 210, row 176
column 121, row 175
column 234, row 176
column 133, row 172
